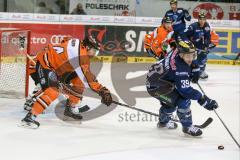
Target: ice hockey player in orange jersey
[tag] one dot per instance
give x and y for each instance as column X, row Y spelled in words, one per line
column 58, row 66
column 214, row 39
column 157, row 42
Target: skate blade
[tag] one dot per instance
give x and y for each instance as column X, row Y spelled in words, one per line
column 190, row 136
column 165, row 128
column 72, row 120
column 28, row 125
column 203, row 79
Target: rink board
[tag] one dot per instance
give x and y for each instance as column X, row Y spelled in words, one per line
column 111, row 59
column 125, row 59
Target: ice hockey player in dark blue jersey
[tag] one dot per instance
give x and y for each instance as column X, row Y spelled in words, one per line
column 178, row 15
column 169, row 81
column 199, row 34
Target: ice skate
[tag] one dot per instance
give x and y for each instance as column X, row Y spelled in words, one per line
column 72, row 112
column 29, row 122
column 169, row 125
column 192, row 131
column 203, row 75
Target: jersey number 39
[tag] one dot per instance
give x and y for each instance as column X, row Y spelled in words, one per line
column 185, row 83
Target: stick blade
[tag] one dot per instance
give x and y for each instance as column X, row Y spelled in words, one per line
column 206, row 123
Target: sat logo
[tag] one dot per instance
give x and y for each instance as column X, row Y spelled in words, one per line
column 212, row 11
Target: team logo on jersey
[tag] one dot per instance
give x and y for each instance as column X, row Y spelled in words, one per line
column 174, row 18
column 207, row 28
column 180, row 11
column 212, row 11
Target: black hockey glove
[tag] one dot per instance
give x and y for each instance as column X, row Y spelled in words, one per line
column 173, row 44
column 186, row 13
column 211, row 46
column 195, row 75
column 208, row 103
column 106, row 96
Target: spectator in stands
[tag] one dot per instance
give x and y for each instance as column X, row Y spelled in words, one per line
column 78, row 10
column 62, row 6
column 42, row 8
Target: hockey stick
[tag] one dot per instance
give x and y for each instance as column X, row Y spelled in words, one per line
column 75, row 93
column 220, row 55
column 204, row 125
column 224, row 56
column 234, row 60
column 225, row 126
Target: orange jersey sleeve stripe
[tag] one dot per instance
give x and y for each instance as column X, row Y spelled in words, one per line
column 73, row 52
column 82, row 68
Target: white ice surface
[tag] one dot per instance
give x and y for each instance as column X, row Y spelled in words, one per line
column 109, row 138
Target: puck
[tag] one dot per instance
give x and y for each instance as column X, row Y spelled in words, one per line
column 221, row 147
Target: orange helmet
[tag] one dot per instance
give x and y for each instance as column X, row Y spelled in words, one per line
column 148, row 41
column 214, row 38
